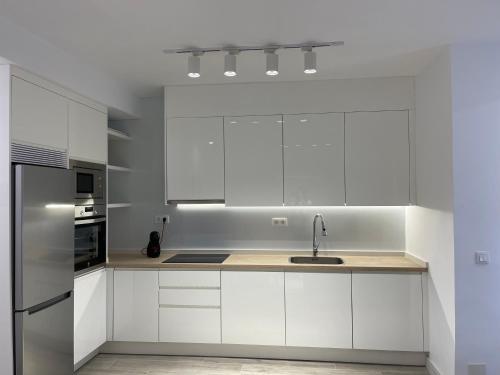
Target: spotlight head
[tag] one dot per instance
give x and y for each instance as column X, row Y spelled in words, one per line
column 194, row 64
column 309, row 60
column 272, row 62
column 230, row 63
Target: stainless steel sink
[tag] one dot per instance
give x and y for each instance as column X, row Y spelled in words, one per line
column 316, row 260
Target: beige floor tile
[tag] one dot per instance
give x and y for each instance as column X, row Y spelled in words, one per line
column 111, row 364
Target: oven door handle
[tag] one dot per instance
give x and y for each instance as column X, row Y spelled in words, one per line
column 90, row 221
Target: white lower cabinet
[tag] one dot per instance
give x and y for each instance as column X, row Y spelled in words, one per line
column 318, row 310
column 387, row 311
column 341, row 310
column 253, row 308
column 190, row 324
column 189, row 307
column 135, row 315
column 90, row 313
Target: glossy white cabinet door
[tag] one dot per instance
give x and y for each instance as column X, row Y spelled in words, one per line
column 135, row 306
column 190, row 324
column 318, row 310
column 253, row 308
column 387, row 311
column 189, row 279
column 39, row 116
column 377, row 158
column 90, row 313
column 88, row 139
column 254, row 161
column 314, row 159
column 195, row 159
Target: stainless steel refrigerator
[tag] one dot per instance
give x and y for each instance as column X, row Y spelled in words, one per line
column 43, row 270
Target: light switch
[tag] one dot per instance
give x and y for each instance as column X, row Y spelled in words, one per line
column 477, row 369
column 482, row 257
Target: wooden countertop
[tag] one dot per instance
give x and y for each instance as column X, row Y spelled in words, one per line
column 268, row 261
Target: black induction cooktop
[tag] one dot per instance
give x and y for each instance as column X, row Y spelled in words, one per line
column 197, row 258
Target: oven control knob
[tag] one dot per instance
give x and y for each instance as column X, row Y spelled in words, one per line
column 82, row 213
column 96, row 212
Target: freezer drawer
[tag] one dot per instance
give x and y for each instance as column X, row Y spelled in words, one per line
column 44, row 234
column 44, row 339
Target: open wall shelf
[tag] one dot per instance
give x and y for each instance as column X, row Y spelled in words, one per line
column 118, row 168
column 119, row 205
column 116, row 135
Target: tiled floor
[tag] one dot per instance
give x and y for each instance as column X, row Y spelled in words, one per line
column 107, row 364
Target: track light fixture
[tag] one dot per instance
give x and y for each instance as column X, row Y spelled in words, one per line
column 230, row 63
column 272, row 59
column 309, row 60
column 272, row 62
column 194, row 64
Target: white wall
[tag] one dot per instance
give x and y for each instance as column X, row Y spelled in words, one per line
column 40, row 57
column 430, row 224
column 6, row 314
column 476, row 167
column 369, row 228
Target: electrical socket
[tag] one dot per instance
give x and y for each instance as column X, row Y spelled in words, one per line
column 280, row 221
column 159, row 219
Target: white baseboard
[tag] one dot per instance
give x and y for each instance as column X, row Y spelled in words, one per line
column 267, row 352
column 431, row 367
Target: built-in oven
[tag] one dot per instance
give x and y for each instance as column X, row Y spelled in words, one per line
column 90, row 182
column 90, row 236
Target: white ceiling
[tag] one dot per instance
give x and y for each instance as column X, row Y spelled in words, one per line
column 126, row 37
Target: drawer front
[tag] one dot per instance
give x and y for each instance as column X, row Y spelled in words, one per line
column 190, row 297
column 190, row 325
column 190, row 279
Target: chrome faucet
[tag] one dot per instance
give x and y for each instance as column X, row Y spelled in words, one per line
column 316, row 242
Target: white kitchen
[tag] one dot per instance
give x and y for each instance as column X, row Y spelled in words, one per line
column 243, row 187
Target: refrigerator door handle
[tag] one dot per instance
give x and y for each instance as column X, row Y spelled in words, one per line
column 49, row 303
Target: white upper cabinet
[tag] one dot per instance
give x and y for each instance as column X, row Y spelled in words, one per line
column 135, row 307
column 318, row 310
column 377, row 158
column 88, row 138
column 314, row 159
column 253, row 160
column 387, row 311
column 90, row 313
column 39, row 116
column 195, row 159
column 253, row 308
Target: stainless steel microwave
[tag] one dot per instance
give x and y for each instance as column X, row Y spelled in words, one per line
column 90, row 184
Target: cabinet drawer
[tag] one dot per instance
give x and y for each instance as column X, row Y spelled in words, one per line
column 190, row 279
column 190, row 325
column 190, row 297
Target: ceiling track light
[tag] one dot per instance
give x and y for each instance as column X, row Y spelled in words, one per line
column 254, row 48
column 309, row 60
column 230, row 63
column 272, row 59
column 272, row 62
column 194, row 64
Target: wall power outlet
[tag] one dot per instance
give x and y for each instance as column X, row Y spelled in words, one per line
column 280, row 221
column 159, row 219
